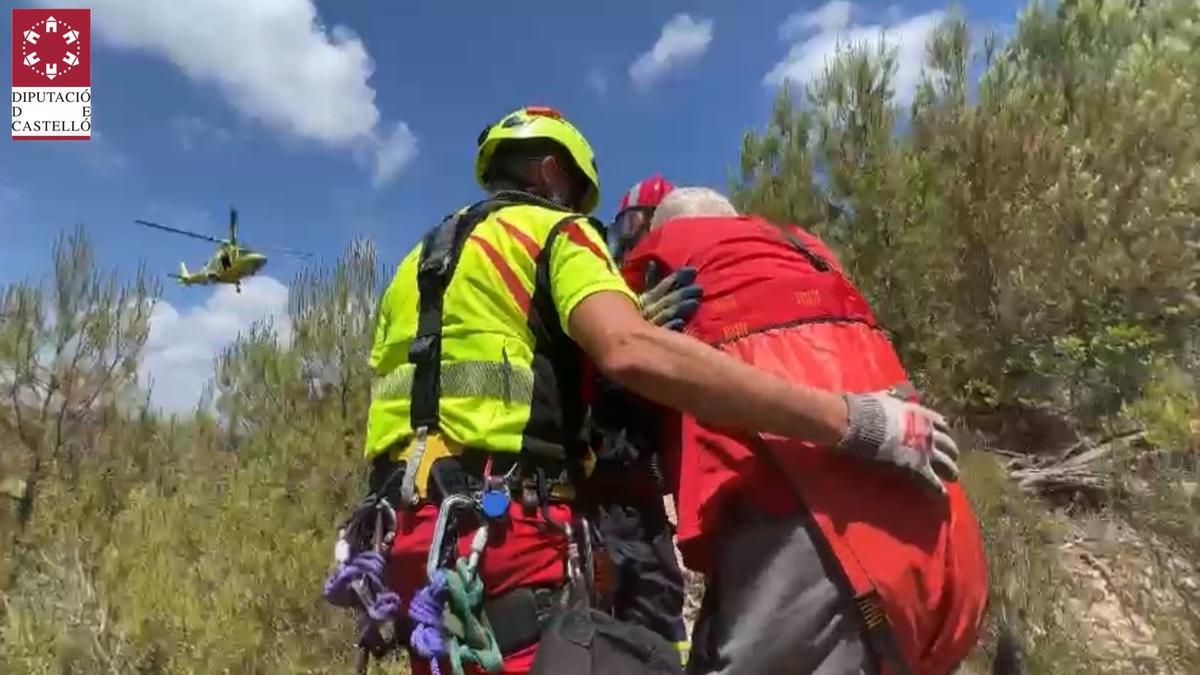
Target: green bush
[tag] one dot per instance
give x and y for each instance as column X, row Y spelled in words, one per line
column 194, row 545
column 1034, row 246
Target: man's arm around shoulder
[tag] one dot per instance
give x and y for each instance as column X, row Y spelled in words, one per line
column 718, row 389
column 686, row 374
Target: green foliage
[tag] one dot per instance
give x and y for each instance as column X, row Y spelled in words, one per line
column 1037, row 245
column 194, row 545
column 68, row 365
column 1170, row 411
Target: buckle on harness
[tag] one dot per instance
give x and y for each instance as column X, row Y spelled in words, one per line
column 879, row 632
column 408, row 492
column 420, row 346
column 437, row 263
column 494, row 497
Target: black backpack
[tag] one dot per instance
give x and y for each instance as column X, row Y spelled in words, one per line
column 590, row 642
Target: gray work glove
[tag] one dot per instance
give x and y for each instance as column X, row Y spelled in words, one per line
column 883, row 428
column 672, row 301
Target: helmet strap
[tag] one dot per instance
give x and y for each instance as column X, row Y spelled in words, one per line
column 516, row 173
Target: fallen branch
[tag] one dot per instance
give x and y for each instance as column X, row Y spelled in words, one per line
column 1067, row 472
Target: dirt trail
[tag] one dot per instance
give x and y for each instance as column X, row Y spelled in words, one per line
column 1135, row 594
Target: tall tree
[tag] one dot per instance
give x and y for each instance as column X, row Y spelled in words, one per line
column 68, row 360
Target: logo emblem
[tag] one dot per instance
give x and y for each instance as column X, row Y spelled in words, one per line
column 51, row 74
column 51, row 48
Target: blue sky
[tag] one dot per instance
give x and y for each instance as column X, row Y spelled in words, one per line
column 330, row 120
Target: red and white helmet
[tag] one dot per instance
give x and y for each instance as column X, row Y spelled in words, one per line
column 634, row 213
column 647, row 193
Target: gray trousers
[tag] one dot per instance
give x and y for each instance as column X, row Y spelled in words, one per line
column 770, row 608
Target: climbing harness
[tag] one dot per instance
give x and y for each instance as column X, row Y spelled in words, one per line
column 450, row 611
column 453, row 618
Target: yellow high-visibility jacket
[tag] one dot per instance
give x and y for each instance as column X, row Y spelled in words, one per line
column 506, row 351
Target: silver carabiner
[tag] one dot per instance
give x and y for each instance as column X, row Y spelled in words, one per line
column 589, row 562
column 445, row 510
column 385, row 527
column 577, row 590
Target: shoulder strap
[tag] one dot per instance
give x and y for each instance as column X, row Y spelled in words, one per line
column 440, row 252
column 553, row 345
column 544, row 319
column 817, row 261
column 852, row 580
column 442, row 247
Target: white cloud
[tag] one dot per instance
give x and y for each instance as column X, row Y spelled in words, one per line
column 182, row 344
column 682, row 42
column 99, row 155
column 196, row 133
column 272, row 60
column 831, row 16
column 597, row 81
column 391, row 153
column 817, row 36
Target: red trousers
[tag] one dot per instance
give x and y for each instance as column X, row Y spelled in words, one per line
column 521, row 551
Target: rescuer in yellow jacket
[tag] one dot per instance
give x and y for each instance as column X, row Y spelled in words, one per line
column 479, row 358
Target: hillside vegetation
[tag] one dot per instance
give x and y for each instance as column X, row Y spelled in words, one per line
column 1032, row 242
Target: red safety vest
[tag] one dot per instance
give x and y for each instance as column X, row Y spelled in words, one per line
column 778, row 298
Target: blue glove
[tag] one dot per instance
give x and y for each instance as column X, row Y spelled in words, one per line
column 672, row 301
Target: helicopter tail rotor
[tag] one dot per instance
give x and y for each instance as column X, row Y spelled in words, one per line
column 183, row 274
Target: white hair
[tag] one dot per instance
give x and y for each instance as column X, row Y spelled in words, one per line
column 692, row 201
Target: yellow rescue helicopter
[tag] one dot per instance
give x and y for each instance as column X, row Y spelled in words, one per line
column 230, row 263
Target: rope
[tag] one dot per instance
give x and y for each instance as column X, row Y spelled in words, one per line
column 358, row 582
column 426, row 609
column 460, row 631
column 367, row 568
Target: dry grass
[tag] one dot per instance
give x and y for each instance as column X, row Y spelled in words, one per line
column 1029, row 586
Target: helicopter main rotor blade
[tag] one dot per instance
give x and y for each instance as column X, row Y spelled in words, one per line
column 185, row 233
column 302, row 255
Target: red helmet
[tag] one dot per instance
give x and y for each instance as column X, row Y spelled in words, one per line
column 649, row 192
column 634, row 213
